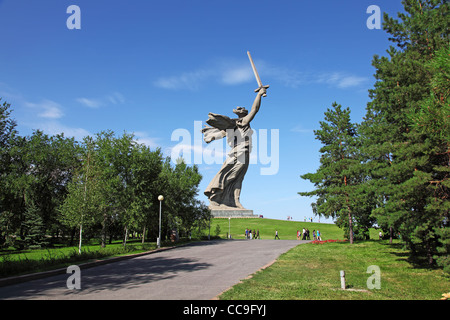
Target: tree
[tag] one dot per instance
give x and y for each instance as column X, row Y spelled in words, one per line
column 338, row 178
column 404, row 160
column 147, row 167
column 8, row 138
column 34, row 228
column 179, row 184
column 85, row 201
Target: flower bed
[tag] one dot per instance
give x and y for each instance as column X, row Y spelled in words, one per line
column 325, row 241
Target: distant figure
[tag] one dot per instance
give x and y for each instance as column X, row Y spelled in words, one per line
column 257, row 234
column 318, row 235
column 276, row 235
column 314, row 235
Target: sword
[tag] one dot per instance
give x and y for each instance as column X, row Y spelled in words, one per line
column 258, row 79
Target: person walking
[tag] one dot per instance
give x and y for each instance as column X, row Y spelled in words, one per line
column 318, row 235
column 257, row 234
column 276, row 235
column 314, row 235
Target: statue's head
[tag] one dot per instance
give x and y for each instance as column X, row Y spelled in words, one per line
column 240, row 111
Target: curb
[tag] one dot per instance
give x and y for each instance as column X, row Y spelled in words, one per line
column 39, row 275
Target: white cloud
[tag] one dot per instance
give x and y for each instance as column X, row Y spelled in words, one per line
column 237, row 75
column 187, row 80
column 46, row 109
column 299, row 128
column 113, row 98
column 116, row 98
column 238, row 72
column 144, row 138
column 55, row 127
column 288, row 77
column 351, row 81
column 91, row 103
column 340, row 79
column 228, row 73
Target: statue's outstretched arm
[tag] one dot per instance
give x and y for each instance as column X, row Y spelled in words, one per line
column 255, row 108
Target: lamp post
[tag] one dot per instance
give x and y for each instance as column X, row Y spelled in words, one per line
column 160, row 198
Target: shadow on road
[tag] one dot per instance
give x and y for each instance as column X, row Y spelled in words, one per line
column 127, row 274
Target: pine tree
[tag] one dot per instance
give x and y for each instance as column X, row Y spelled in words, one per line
column 404, row 159
column 338, row 179
column 34, row 228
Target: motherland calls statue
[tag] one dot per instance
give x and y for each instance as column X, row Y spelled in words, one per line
column 224, row 190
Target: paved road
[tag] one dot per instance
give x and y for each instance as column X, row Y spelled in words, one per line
column 199, row 271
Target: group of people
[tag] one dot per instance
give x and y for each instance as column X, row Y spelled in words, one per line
column 304, row 235
column 249, row 234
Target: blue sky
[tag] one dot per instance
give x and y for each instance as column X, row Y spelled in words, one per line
column 152, row 67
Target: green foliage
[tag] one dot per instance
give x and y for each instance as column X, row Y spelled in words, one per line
column 34, row 228
column 406, row 127
column 339, row 178
column 397, row 161
column 217, row 230
column 55, row 189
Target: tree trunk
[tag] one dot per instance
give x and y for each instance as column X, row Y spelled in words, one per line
column 390, row 235
column 350, row 225
column 81, row 234
column 126, row 235
column 143, row 235
column 104, row 231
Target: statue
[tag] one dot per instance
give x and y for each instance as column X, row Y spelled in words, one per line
column 224, row 189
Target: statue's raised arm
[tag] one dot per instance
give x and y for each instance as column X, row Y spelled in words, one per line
column 224, row 189
column 255, row 107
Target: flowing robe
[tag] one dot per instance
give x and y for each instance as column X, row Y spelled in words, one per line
column 224, row 189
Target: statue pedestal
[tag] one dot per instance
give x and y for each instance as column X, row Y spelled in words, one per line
column 232, row 213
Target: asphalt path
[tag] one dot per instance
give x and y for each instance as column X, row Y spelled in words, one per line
column 199, row 271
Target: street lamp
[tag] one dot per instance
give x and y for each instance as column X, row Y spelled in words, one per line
column 160, row 198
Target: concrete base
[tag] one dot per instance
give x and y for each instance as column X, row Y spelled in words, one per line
column 232, row 213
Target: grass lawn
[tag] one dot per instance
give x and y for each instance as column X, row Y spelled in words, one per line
column 14, row 262
column 312, row 271
column 308, row 271
column 287, row 230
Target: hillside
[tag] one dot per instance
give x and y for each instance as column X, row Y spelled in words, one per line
column 287, row 230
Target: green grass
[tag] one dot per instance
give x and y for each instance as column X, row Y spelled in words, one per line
column 308, row 271
column 311, row 271
column 287, row 230
column 14, row 262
